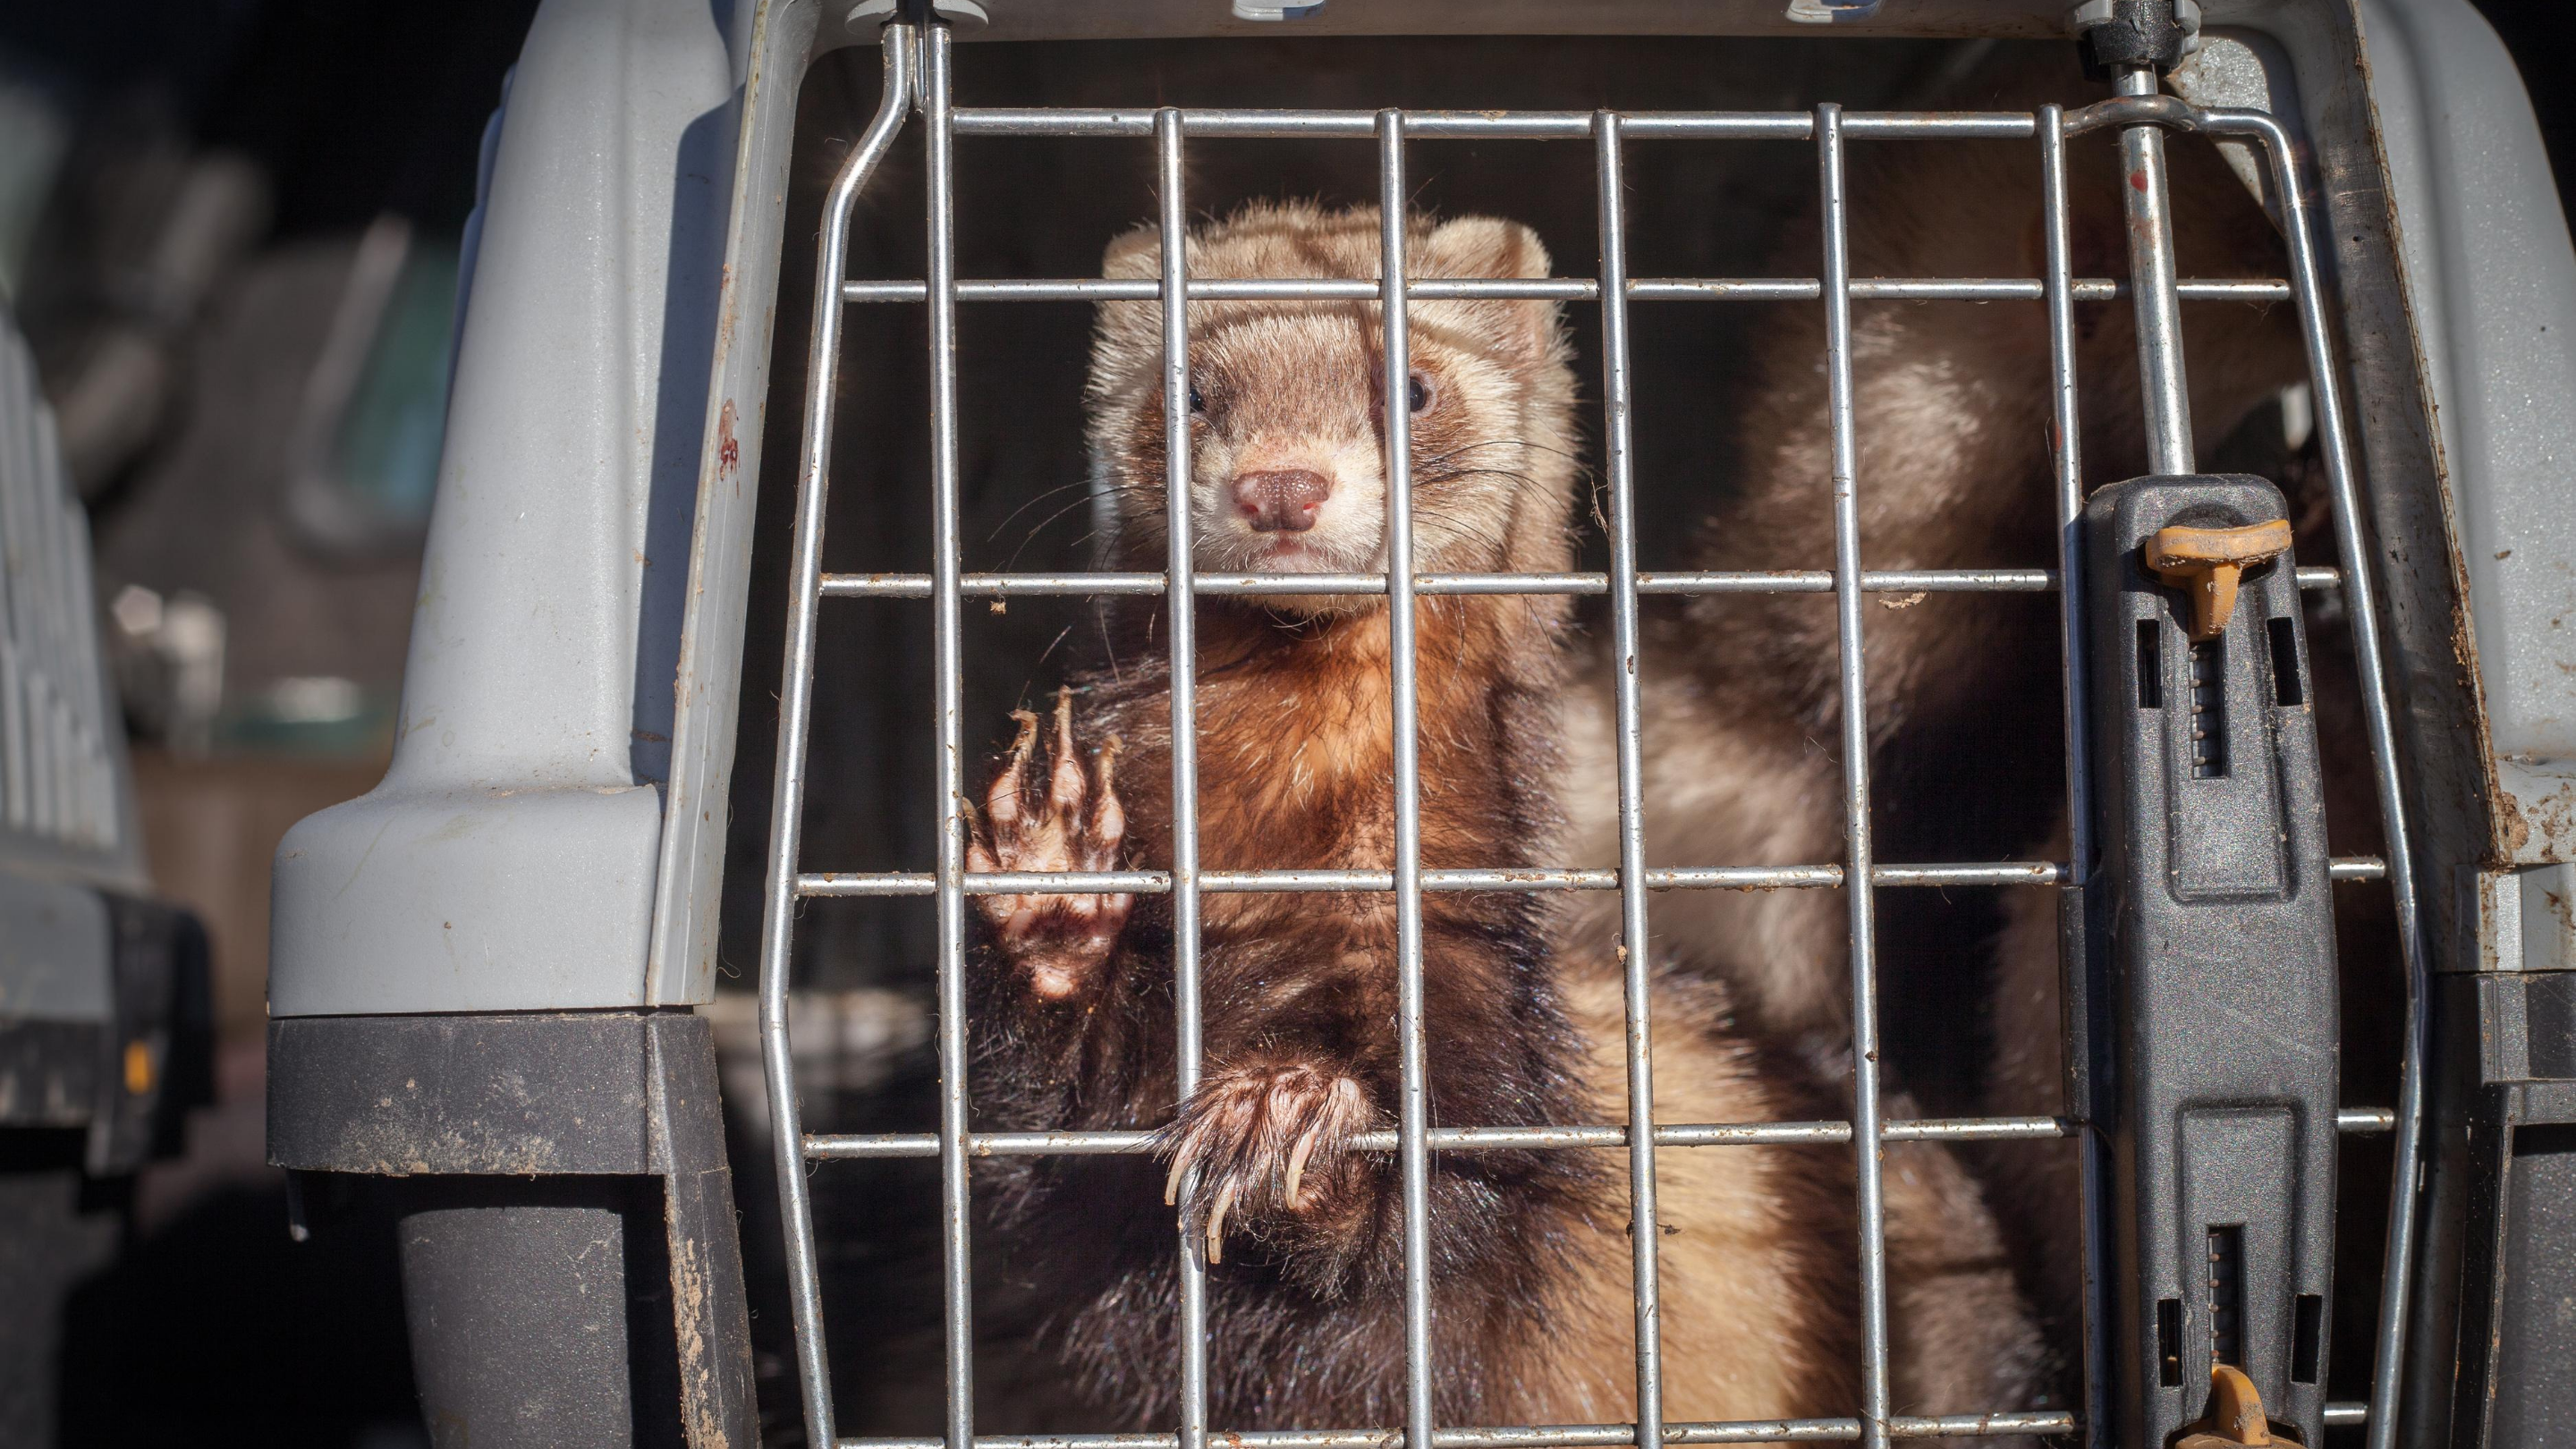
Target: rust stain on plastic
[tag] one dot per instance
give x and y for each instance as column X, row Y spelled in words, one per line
column 691, row 1308
column 2552, row 817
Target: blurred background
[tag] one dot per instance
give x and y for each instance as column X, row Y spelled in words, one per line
column 230, row 231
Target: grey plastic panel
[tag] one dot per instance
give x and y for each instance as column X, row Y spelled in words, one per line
column 2522, row 920
column 2492, row 284
column 778, row 36
column 2548, row 918
column 603, row 441
column 508, row 860
column 57, row 954
column 66, row 804
column 67, row 821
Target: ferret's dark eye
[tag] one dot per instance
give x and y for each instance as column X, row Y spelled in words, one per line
column 1420, row 391
column 1198, row 404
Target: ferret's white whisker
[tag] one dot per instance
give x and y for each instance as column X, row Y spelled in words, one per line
column 1026, row 504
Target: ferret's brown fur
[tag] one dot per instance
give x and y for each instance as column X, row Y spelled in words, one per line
column 1954, row 423
column 1072, row 997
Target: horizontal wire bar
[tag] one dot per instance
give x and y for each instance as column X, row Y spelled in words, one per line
column 1517, row 878
column 1569, row 1436
column 825, row 1146
column 830, row 884
column 1573, row 1436
column 1465, row 1139
column 1682, row 582
column 1557, row 289
column 1286, row 124
column 2009, row 873
column 995, row 586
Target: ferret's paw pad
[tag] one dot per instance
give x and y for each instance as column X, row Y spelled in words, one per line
column 1064, row 818
column 1265, row 1142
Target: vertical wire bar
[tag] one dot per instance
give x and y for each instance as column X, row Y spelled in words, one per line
column 795, row 709
column 2360, row 602
column 2059, row 285
column 1183, row 627
column 2152, row 298
column 947, row 679
column 1414, row 1109
column 1866, row 1152
column 1617, row 452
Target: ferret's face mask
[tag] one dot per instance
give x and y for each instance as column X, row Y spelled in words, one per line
column 1287, row 410
column 1288, row 458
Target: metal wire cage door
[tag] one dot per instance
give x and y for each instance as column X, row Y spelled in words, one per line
column 917, row 61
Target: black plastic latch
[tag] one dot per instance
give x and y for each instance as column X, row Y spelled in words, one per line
column 2112, row 33
column 2212, row 960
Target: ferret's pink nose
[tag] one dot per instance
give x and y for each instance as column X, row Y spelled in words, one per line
column 1288, row 499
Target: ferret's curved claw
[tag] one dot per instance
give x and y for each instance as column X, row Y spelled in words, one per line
column 1002, row 801
column 1216, row 1222
column 1064, row 790
column 1297, row 1166
column 1108, row 817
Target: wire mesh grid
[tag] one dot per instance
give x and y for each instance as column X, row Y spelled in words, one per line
column 917, row 80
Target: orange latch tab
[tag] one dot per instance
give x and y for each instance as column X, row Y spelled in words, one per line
column 2209, row 561
column 2235, row 1416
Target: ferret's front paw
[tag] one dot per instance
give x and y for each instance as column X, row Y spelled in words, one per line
column 1076, row 824
column 1265, row 1140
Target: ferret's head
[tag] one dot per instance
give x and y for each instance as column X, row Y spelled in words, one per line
column 1287, row 399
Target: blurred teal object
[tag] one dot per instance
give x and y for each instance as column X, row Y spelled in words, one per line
column 312, row 717
column 364, row 464
column 389, row 437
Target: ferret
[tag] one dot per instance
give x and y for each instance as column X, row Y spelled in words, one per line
column 1071, row 998
column 1742, row 696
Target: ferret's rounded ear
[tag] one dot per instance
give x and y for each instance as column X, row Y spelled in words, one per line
column 1135, row 252
column 1486, row 246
